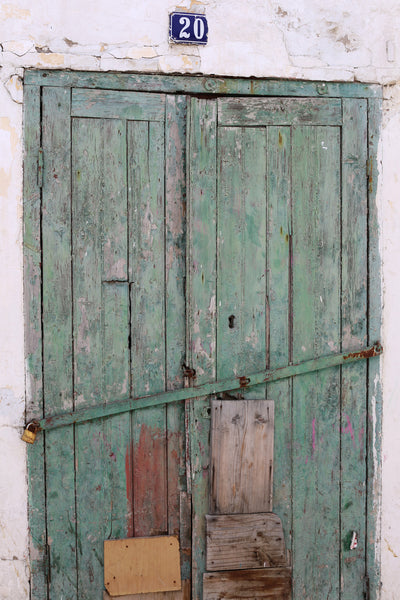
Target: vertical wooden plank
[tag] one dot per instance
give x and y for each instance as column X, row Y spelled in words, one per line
column 57, row 340
column 147, row 246
column 117, row 429
column 101, row 372
column 201, row 307
column 278, row 261
column 87, row 201
column 175, row 324
column 33, row 340
column 374, row 421
column 354, row 337
column 115, row 342
column 241, row 242
column 230, row 233
column 316, row 332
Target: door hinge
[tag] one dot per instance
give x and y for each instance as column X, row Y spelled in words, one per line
column 40, row 168
column 366, row 587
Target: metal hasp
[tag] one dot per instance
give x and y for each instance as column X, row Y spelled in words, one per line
column 207, row 389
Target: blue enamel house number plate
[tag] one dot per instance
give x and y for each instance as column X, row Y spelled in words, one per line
column 188, row 28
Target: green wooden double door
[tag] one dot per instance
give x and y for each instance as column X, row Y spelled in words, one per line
column 227, row 234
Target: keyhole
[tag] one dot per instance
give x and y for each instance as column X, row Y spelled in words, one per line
column 231, row 320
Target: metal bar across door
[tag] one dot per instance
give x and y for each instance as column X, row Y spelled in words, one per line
column 226, row 385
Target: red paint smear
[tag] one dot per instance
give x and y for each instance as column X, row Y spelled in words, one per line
column 349, row 429
column 129, row 489
column 150, row 483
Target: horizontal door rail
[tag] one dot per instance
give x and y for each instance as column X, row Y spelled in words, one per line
column 206, row 389
column 172, row 84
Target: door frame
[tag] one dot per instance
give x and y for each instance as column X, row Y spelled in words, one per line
column 205, row 86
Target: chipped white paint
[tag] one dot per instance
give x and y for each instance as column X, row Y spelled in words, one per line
column 300, row 39
column 390, row 211
column 14, row 87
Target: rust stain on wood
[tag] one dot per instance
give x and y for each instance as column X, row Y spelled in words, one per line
column 149, row 456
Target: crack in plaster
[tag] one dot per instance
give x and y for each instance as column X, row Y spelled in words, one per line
column 17, row 47
column 43, row 50
column 11, row 559
column 390, row 549
column 70, row 43
column 133, row 52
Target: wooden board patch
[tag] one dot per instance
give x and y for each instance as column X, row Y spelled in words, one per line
column 242, row 454
column 141, row 565
column 245, row 542
column 183, row 594
column 269, row 584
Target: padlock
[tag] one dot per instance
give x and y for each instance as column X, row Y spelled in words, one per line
column 29, row 435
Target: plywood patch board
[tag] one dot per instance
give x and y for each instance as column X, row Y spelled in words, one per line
column 183, row 594
column 141, row 565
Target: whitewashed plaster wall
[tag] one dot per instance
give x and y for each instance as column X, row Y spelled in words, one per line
column 301, row 39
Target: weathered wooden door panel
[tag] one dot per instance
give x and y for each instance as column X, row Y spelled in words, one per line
column 288, row 221
column 113, row 282
column 269, row 267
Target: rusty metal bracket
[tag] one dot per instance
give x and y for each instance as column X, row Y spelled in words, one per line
column 207, row 389
column 244, row 381
column 188, row 371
